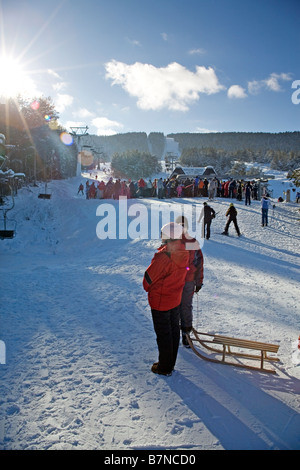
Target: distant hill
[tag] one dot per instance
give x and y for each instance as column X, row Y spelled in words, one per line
column 234, row 141
column 119, row 143
column 155, row 142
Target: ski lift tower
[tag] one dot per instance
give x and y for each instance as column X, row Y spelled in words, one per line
column 79, row 132
column 171, row 161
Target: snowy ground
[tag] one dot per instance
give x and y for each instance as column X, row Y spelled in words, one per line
column 80, row 343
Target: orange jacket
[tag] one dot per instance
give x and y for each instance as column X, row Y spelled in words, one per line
column 164, row 279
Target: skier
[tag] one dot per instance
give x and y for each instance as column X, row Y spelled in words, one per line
column 160, row 188
column 87, row 188
column 265, row 204
column 201, row 188
column 226, row 188
column 109, row 189
column 179, row 190
column 193, row 281
column 231, row 215
column 149, row 189
column 239, row 191
column 132, row 190
column 248, row 193
column 117, row 189
column 232, row 188
column 141, row 186
column 80, row 189
column 101, row 188
column 164, row 280
column 209, row 214
column 92, row 191
column 212, row 187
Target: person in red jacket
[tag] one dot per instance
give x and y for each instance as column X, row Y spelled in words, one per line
column 193, row 280
column 164, row 280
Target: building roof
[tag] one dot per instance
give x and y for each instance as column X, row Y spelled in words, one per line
column 193, row 171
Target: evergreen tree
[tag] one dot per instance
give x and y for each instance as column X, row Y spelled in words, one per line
column 32, row 131
column 134, row 164
column 295, row 176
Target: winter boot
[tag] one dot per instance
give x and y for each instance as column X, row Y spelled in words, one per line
column 156, row 370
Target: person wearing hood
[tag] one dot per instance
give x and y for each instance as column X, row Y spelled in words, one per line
column 164, row 280
column 193, row 280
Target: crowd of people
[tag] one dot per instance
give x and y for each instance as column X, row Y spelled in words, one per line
column 170, row 188
column 175, row 272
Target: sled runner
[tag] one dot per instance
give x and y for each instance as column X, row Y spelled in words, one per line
column 222, row 345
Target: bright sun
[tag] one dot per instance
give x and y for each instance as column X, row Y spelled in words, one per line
column 13, row 79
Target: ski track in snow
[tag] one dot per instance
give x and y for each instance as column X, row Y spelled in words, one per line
column 80, row 342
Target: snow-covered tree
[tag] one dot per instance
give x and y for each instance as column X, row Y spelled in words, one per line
column 134, row 164
column 295, row 176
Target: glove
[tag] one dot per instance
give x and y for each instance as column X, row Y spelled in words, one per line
column 197, row 288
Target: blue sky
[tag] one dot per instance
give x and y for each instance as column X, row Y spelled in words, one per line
column 156, row 66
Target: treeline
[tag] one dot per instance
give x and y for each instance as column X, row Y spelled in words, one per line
column 119, row 143
column 34, row 141
column 225, row 162
column 220, row 150
column 259, row 142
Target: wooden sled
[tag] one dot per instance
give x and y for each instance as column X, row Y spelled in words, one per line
column 214, row 342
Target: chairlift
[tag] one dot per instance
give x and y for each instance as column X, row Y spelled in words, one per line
column 45, row 195
column 7, row 226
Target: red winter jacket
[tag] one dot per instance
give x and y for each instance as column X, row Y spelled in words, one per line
column 195, row 270
column 164, row 279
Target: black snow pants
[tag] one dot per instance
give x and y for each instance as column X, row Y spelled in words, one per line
column 167, row 329
column 186, row 307
column 235, row 224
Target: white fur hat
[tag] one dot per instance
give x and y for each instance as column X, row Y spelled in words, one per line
column 171, row 231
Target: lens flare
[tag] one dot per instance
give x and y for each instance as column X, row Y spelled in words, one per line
column 66, row 138
column 35, row 105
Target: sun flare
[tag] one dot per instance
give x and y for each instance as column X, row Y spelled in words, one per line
column 13, row 79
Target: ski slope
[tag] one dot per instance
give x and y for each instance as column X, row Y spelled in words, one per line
column 80, row 342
